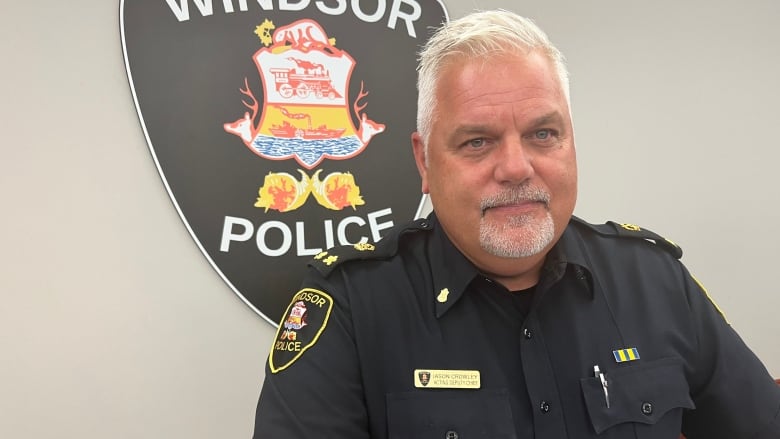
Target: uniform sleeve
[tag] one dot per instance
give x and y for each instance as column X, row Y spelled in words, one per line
column 312, row 384
column 734, row 394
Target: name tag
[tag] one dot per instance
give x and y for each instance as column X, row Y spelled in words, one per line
column 446, row 379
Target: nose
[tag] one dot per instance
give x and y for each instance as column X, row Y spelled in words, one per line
column 513, row 163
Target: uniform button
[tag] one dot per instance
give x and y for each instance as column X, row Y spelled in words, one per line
column 452, row 434
column 527, row 333
column 424, row 224
column 647, row 408
column 544, row 407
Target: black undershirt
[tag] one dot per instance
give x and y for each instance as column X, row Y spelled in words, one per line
column 522, row 300
column 514, row 305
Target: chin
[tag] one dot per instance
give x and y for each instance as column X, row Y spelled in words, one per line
column 520, row 237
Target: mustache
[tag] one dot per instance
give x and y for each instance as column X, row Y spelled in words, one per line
column 515, row 195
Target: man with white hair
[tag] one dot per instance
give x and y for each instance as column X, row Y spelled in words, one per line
column 502, row 315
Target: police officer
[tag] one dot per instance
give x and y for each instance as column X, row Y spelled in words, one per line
column 502, row 315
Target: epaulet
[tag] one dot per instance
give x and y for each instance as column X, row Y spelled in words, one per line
column 327, row 261
column 624, row 230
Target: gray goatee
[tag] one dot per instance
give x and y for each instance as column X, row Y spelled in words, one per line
column 521, row 235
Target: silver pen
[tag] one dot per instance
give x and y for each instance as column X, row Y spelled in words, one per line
column 603, row 378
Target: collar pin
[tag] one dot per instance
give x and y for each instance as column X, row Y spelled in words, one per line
column 443, row 294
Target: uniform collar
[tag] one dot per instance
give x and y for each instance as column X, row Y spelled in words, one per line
column 568, row 249
column 452, row 272
column 450, row 269
column 568, row 252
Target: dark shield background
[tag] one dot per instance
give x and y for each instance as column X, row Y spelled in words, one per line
column 186, row 76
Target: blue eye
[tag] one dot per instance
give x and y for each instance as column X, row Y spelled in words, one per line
column 543, row 134
column 476, row 143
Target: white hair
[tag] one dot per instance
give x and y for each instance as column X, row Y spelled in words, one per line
column 477, row 35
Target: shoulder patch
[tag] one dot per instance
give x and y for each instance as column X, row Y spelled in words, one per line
column 327, row 261
column 624, row 230
column 307, row 317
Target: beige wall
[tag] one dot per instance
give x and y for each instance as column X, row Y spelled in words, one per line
column 113, row 324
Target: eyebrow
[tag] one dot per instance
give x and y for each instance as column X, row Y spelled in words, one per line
column 470, row 129
column 554, row 117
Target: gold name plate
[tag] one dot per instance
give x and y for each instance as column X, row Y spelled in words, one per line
column 446, row 379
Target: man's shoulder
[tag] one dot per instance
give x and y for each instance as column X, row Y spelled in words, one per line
column 329, row 260
column 623, row 231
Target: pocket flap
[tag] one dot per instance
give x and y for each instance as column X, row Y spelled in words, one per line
column 639, row 393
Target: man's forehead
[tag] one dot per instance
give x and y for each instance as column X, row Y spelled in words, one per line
column 499, row 80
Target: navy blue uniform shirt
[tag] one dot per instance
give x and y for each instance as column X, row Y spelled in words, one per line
column 408, row 340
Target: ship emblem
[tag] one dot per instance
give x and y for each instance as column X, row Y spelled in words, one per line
column 306, row 112
column 297, row 318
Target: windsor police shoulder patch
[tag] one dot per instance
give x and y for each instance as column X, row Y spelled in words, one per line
column 306, row 319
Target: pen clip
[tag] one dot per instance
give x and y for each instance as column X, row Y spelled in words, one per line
column 597, row 373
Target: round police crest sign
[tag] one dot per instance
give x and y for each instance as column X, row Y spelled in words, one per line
column 279, row 127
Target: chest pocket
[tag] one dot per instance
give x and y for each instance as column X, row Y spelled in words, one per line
column 647, row 398
column 448, row 414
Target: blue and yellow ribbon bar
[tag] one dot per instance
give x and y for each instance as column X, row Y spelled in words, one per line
column 623, row 355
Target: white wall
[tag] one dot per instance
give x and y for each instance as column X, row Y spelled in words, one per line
column 113, row 324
